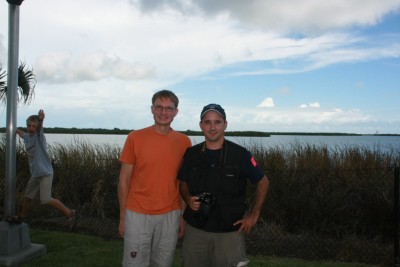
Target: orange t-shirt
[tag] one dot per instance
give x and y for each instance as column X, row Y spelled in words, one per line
column 156, row 159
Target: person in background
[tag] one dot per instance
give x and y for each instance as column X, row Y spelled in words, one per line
column 41, row 172
column 213, row 180
column 148, row 191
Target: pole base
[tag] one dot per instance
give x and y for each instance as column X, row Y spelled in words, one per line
column 15, row 245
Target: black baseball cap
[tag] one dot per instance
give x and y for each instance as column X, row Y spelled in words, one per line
column 213, row 107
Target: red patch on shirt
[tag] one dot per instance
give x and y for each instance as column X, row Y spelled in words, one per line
column 253, row 161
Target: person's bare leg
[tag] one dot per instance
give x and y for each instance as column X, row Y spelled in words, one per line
column 26, row 207
column 55, row 203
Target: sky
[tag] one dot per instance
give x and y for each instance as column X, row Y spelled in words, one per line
column 274, row 66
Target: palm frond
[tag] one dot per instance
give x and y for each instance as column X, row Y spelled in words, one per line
column 26, row 84
column 3, row 87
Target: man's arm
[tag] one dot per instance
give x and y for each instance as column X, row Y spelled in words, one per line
column 249, row 221
column 124, row 182
column 261, row 193
column 181, row 232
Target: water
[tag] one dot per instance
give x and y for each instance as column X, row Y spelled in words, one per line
column 282, row 141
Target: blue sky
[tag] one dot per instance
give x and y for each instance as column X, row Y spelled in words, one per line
column 275, row 66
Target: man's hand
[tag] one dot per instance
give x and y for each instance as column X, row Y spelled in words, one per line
column 121, row 228
column 181, row 232
column 194, row 203
column 250, row 220
column 246, row 224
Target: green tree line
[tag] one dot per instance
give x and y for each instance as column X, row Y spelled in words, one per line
column 74, row 130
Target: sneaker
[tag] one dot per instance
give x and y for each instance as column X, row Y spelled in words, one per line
column 13, row 219
column 72, row 220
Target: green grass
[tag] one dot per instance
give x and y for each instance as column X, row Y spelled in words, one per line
column 77, row 250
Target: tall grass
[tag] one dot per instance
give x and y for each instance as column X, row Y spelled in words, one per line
column 338, row 191
column 88, row 174
column 336, row 203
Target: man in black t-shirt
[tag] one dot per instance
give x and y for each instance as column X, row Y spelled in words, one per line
column 213, row 179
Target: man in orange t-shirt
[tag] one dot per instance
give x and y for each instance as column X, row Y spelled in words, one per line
column 148, row 194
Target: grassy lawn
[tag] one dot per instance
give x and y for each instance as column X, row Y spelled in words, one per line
column 76, row 250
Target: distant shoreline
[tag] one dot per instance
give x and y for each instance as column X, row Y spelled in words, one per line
column 60, row 130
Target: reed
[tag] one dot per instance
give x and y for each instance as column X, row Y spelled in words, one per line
column 312, row 187
column 316, row 193
column 87, row 174
column 337, row 191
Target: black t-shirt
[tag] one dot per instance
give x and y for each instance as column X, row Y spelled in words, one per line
column 248, row 168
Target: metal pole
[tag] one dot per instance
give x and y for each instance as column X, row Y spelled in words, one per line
column 15, row 244
column 396, row 217
column 12, row 87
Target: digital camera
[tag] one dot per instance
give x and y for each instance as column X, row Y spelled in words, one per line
column 207, row 201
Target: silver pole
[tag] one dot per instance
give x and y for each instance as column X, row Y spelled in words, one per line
column 12, row 87
column 15, row 244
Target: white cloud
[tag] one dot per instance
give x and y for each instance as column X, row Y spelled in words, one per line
column 168, row 45
column 284, row 15
column 310, row 105
column 267, row 103
column 314, row 105
column 65, row 67
column 298, row 120
column 100, row 61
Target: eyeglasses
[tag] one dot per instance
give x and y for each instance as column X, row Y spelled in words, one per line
column 161, row 108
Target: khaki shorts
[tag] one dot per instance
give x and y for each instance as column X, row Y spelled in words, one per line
column 150, row 240
column 202, row 248
column 40, row 184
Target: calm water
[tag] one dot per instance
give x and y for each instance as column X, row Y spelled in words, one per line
column 283, row 141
